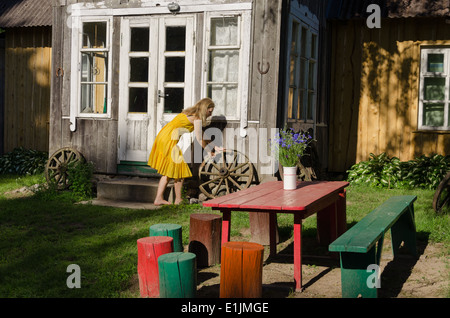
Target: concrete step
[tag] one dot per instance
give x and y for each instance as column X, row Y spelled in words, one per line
column 131, row 190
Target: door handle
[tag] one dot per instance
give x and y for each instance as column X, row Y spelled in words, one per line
column 161, row 95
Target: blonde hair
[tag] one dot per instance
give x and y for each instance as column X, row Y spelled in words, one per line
column 199, row 109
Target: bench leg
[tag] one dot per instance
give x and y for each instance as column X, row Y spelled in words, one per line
column 356, row 279
column 404, row 230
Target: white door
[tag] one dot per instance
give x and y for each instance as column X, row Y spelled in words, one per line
column 156, row 77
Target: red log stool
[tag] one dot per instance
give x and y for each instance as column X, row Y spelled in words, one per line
column 205, row 235
column 149, row 249
column 241, row 270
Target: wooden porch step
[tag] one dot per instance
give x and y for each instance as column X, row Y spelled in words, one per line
column 131, row 189
column 133, row 168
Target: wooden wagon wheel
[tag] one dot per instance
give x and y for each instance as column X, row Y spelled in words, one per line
column 442, row 195
column 226, row 172
column 57, row 165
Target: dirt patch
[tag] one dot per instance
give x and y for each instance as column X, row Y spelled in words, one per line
column 425, row 277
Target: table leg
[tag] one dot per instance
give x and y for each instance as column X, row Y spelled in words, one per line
column 298, row 252
column 273, row 233
column 226, row 225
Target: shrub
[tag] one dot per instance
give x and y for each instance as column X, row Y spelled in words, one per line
column 80, row 176
column 385, row 172
column 22, row 161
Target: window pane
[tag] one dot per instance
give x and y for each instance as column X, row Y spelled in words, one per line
column 304, row 41
column 139, row 39
column 311, row 75
column 311, row 103
column 291, row 103
column 435, row 63
column 225, row 99
column 176, row 38
column 434, row 88
column 174, row 100
column 94, row 66
column 313, row 46
column 433, row 115
column 303, row 70
column 294, row 41
column 94, row 35
column 302, row 100
column 224, row 31
column 138, row 97
column 224, row 66
column 175, row 69
column 93, row 98
column 139, row 69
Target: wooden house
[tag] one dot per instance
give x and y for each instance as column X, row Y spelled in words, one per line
column 124, row 68
column 389, row 85
column 25, row 74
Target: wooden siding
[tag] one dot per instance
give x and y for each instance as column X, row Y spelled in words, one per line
column 27, row 88
column 374, row 90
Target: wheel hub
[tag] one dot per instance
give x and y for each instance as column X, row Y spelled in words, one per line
column 224, row 172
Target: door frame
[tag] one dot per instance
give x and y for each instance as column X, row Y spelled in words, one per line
column 155, row 116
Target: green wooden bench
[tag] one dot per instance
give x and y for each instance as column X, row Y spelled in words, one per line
column 361, row 245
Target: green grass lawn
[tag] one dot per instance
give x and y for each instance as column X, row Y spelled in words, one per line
column 41, row 235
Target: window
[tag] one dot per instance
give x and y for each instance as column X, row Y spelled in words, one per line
column 302, row 72
column 434, row 97
column 226, row 54
column 91, row 70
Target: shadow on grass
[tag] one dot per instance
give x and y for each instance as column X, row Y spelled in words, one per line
column 40, row 239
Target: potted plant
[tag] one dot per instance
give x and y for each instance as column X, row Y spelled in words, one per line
column 289, row 147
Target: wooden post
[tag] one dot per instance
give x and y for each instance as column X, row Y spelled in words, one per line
column 177, row 275
column 241, row 270
column 172, row 230
column 260, row 227
column 205, row 232
column 149, row 249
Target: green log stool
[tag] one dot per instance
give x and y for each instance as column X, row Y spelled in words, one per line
column 177, row 275
column 172, row 230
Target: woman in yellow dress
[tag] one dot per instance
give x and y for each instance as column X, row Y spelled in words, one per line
column 166, row 157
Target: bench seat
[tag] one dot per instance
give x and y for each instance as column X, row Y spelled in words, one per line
column 361, row 245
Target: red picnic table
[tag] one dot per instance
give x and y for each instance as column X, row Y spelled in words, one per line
column 326, row 198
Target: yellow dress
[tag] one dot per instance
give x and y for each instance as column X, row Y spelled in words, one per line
column 166, row 157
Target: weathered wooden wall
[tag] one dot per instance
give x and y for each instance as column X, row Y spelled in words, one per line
column 374, row 90
column 27, row 88
column 96, row 139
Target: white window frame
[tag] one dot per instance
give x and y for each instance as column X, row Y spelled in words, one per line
column 75, row 85
column 425, row 74
column 244, row 21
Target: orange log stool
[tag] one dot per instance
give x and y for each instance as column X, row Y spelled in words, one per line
column 205, row 238
column 241, row 270
column 149, row 249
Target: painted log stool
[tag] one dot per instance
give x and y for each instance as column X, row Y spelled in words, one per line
column 241, row 270
column 205, row 235
column 177, row 275
column 149, row 249
column 172, row 230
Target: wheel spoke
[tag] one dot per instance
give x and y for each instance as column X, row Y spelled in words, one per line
column 240, row 166
column 218, row 187
column 235, row 183
column 210, row 181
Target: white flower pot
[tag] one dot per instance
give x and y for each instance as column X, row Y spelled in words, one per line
column 289, row 178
